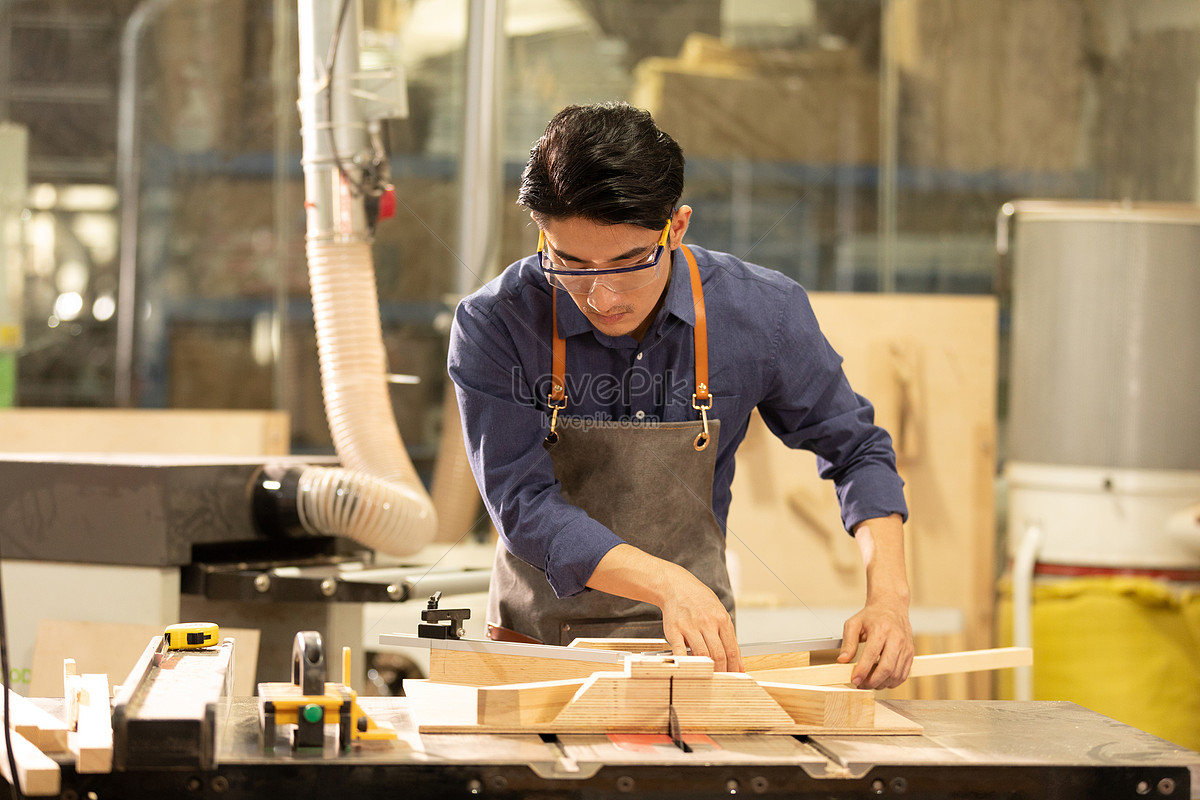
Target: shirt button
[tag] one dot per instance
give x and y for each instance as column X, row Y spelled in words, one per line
column 640, row 414
column 639, row 356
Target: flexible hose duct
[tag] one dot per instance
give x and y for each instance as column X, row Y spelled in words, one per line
column 376, row 497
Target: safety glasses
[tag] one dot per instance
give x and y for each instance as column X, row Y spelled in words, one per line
column 628, row 276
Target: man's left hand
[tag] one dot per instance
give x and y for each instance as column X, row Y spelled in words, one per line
column 887, row 646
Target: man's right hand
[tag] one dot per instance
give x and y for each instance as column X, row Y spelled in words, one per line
column 693, row 615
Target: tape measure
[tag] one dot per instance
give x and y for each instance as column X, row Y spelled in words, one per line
column 192, row 635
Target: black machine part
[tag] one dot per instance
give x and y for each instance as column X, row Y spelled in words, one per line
column 436, row 616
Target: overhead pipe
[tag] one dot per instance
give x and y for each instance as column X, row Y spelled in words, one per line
column 376, row 496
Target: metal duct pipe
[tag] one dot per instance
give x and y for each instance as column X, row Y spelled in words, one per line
column 376, row 497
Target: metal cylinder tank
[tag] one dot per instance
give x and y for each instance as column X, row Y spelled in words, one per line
column 1104, row 402
column 1106, row 336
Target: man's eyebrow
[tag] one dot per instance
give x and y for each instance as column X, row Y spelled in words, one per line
column 627, row 254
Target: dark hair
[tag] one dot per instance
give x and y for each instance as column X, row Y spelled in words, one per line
column 607, row 163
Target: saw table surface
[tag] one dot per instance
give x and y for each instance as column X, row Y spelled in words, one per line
column 972, row 749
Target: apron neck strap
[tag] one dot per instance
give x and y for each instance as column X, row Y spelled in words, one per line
column 700, row 332
column 701, row 400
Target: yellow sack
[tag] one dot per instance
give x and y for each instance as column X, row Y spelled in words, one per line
column 1126, row 647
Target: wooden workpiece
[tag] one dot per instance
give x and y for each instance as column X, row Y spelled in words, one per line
column 638, row 699
column 938, row 664
column 44, row 730
column 486, row 663
column 87, row 701
column 750, row 660
column 38, row 774
column 470, row 668
column 34, row 733
column 827, row 706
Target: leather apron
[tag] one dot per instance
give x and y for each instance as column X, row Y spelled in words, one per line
column 650, row 483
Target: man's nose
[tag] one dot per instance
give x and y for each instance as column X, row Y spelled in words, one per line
column 602, row 298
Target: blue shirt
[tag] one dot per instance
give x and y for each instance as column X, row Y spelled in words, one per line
column 765, row 350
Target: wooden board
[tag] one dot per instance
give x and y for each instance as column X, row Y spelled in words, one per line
column 938, row 664
column 750, row 660
column 477, row 662
column 44, row 730
column 451, row 709
column 823, row 705
column 92, row 741
column 39, row 774
column 928, row 363
column 723, row 703
column 491, row 669
column 524, row 704
column 727, row 702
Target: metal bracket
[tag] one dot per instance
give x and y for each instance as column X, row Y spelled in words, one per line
column 436, row 616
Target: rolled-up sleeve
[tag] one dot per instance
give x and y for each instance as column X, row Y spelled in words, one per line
column 504, row 426
column 810, row 405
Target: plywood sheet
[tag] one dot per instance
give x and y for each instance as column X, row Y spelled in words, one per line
column 928, row 364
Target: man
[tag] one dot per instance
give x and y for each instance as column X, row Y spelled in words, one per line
column 605, row 384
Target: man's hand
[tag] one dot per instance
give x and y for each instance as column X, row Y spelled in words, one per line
column 885, row 657
column 693, row 615
column 882, row 627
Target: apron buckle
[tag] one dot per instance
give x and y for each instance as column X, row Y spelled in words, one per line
column 701, row 441
column 555, row 405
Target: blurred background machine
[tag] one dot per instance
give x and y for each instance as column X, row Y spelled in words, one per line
column 1103, row 464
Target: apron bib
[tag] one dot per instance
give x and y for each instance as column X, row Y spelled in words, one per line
column 650, row 483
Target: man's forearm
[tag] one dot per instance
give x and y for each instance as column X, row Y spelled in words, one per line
column 629, row 572
column 881, row 542
column 693, row 616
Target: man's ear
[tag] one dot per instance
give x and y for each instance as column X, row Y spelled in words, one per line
column 679, row 225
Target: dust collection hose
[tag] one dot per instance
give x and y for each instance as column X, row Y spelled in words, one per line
column 376, row 496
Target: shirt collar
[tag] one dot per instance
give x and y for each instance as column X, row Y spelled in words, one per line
column 679, row 302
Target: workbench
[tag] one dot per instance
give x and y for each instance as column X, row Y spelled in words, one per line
column 976, row 749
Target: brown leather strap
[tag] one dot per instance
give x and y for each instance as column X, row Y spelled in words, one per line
column 558, row 391
column 702, row 398
column 700, row 332
column 498, row 634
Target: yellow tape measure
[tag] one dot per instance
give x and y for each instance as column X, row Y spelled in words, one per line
column 192, row 635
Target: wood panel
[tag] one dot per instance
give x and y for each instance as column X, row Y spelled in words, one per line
column 939, row 664
column 928, row 364
column 115, row 430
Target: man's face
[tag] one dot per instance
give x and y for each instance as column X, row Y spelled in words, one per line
column 582, row 244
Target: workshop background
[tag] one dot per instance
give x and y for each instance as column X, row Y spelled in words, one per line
column 993, row 203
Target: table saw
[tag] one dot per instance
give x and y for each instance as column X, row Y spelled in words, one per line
column 976, row 749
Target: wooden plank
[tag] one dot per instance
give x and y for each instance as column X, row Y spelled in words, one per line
column 624, row 645
column 824, row 705
column 937, row 664
column 524, row 704
column 92, row 742
column 493, row 669
column 38, row 774
column 750, row 660
column 677, row 667
column 775, row 661
column 44, row 730
column 727, row 702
